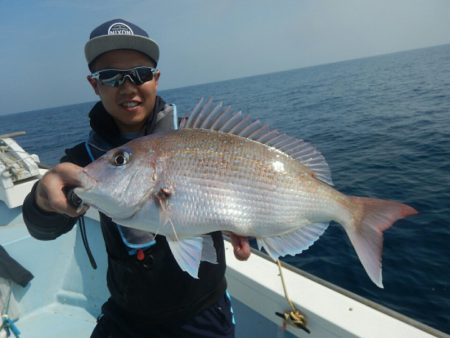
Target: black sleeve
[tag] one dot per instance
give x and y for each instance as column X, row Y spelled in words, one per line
column 41, row 224
column 45, row 225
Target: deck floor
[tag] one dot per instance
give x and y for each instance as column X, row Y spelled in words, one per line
column 57, row 320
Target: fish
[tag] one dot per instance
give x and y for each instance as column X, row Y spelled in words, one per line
column 225, row 171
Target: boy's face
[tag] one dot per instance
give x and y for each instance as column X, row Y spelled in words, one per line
column 130, row 105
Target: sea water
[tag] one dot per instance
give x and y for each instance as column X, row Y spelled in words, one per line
column 382, row 123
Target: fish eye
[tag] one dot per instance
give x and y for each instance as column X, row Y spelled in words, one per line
column 121, row 157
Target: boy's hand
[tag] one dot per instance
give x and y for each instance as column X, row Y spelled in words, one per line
column 241, row 247
column 50, row 195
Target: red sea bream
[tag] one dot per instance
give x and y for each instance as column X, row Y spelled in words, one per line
column 223, row 171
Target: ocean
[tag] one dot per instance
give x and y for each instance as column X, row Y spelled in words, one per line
column 382, row 123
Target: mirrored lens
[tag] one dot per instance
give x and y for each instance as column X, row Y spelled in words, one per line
column 144, row 73
column 116, row 77
column 110, row 77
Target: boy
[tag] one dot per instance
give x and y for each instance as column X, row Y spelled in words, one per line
column 150, row 295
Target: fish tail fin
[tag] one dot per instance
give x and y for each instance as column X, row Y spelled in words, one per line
column 371, row 218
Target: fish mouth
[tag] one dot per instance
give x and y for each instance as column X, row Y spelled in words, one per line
column 104, row 203
column 87, row 183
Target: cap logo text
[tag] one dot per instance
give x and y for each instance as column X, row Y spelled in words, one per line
column 119, row 28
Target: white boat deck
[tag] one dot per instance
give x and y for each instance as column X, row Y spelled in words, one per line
column 57, row 320
column 65, row 296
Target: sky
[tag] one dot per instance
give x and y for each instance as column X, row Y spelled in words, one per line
column 42, row 41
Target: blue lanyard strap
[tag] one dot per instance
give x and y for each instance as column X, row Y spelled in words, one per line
column 89, row 151
column 174, row 116
column 134, row 247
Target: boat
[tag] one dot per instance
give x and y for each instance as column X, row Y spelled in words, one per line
column 65, row 295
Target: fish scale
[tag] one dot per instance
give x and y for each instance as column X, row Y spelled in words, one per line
column 249, row 179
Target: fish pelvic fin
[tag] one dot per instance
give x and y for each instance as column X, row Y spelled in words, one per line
column 190, row 252
column 209, row 253
column 292, row 243
column 372, row 217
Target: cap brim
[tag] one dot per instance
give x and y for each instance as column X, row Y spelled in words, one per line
column 106, row 43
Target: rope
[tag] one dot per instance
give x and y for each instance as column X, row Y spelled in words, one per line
column 294, row 316
column 13, row 164
column 9, row 326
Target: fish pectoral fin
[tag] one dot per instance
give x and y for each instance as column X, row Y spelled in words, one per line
column 188, row 253
column 162, row 198
column 209, row 253
column 294, row 242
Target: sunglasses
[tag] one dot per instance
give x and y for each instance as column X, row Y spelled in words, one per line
column 116, row 77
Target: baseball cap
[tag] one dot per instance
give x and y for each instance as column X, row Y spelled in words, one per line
column 119, row 34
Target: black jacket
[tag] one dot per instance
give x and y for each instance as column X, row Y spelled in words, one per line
column 153, row 289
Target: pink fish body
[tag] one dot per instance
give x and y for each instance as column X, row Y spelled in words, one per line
column 225, row 172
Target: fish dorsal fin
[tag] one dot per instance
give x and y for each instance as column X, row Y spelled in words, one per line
column 210, row 116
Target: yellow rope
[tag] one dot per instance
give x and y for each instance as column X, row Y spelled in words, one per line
column 293, row 317
column 284, row 286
